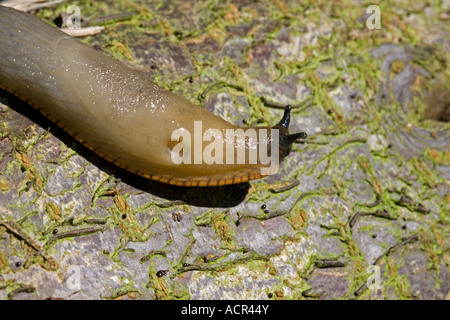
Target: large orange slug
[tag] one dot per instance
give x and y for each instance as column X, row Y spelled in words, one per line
column 124, row 117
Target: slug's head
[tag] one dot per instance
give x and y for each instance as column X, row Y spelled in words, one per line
column 287, row 139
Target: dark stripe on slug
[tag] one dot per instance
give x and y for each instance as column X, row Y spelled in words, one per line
column 164, row 180
column 212, row 183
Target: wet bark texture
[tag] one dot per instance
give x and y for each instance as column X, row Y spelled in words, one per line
column 358, row 211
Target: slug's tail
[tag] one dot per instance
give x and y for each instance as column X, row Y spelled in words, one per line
column 287, row 139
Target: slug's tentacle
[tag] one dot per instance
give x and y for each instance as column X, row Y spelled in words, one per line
column 287, row 139
column 284, row 122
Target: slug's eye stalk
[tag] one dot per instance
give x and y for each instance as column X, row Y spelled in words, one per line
column 286, row 139
column 284, row 122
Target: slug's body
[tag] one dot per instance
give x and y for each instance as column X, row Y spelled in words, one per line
column 115, row 111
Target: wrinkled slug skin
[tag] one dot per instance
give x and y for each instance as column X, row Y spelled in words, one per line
column 116, row 111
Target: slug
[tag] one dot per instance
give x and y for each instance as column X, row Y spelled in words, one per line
column 122, row 116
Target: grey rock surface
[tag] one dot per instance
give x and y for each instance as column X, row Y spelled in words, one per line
column 358, row 211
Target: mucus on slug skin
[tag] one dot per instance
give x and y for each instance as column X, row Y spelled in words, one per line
column 119, row 113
